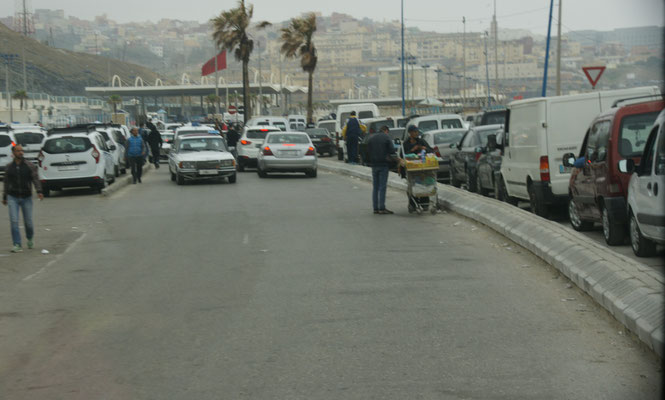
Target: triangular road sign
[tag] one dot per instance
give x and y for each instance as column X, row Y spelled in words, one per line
column 595, row 71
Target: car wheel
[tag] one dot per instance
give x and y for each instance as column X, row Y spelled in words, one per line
column 576, row 221
column 179, row 179
column 470, row 181
column 614, row 232
column 480, row 187
column 500, row 192
column 232, row 178
column 116, row 171
column 100, row 186
column 172, row 176
column 311, row 174
column 241, row 166
column 261, row 172
column 642, row 247
column 536, row 205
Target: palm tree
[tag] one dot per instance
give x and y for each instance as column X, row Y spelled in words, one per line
column 230, row 33
column 297, row 41
column 212, row 99
column 114, row 100
column 20, row 95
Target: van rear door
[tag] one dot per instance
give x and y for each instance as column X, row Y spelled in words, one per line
column 521, row 158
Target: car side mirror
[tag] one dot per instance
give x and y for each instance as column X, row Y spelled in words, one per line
column 626, row 166
column 568, row 160
column 491, row 142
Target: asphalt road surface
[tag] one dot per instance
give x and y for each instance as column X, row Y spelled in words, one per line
column 290, row 288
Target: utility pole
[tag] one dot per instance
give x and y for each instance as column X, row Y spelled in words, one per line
column 558, row 54
column 547, row 50
column 402, row 59
column 487, row 71
column 258, row 43
column 464, row 64
column 496, row 53
column 425, row 66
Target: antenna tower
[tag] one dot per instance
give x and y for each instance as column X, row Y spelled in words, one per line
column 24, row 21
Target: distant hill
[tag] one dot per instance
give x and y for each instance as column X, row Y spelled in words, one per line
column 58, row 71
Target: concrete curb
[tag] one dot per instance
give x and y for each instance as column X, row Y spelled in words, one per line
column 122, row 181
column 619, row 284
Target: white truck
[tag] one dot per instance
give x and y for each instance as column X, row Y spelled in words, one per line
column 538, row 132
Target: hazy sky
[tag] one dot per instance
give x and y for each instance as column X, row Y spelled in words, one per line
column 439, row 15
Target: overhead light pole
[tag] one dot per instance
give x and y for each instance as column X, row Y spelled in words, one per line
column 402, row 60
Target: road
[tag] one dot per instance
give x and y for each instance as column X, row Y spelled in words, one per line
column 290, row 288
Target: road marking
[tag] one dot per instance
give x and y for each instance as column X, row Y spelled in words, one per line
column 245, row 239
column 42, row 269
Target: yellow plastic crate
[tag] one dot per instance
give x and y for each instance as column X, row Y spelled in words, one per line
column 431, row 162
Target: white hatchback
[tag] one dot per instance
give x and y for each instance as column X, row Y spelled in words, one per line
column 249, row 144
column 6, row 145
column 31, row 139
column 75, row 159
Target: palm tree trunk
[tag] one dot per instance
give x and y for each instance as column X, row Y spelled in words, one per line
column 245, row 91
column 309, row 98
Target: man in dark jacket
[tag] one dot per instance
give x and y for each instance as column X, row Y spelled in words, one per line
column 155, row 142
column 20, row 174
column 352, row 132
column 381, row 152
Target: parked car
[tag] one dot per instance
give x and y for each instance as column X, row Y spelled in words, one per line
column 464, row 160
column 74, row 158
column 440, row 140
column 374, row 124
column 31, row 139
column 201, row 157
column 435, row 121
column 646, row 200
column 538, row 132
column 488, row 166
column 329, row 125
column 279, row 122
column 491, row 116
column 287, row 152
column 322, row 140
column 597, row 190
column 116, row 149
column 6, row 145
column 249, row 144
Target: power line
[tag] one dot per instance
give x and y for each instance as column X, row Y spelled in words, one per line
column 478, row 19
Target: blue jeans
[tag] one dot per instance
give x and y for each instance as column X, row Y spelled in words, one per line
column 25, row 204
column 379, row 185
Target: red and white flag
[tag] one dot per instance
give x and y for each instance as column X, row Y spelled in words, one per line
column 209, row 67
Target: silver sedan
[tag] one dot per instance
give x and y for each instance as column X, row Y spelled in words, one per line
column 287, row 152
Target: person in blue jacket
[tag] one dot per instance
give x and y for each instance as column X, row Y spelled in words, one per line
column 135, row 154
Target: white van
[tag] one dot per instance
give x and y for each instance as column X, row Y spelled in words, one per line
column 297, row 119
column 363, row 111
column 538, row 132
column 436, row 121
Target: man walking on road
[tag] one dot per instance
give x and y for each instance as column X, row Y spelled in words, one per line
column 20, row 174
column 381, row 153
column 351, row 133
column 136, row 151
column 155, row 141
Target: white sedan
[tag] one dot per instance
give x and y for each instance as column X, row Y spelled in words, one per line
column 201, row 157
column 287, row 152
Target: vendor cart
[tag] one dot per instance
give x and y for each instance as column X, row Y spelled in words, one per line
column 422, row 184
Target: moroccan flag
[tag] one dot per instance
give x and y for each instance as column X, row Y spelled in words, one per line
column 209, row 67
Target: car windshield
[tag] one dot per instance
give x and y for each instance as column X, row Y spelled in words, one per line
column 203, row 144
column 451, row 123
column 67, row 145
column 288, row 138
column 634, row 133
column 425, row 126
column 495, row 117
column 448, row 137
column 258, row 133
column 24, row 138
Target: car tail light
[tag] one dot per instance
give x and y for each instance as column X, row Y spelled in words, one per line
column 267, row 151
column 95, row 154
column 245, row 142
column 263, row 130
column 544, row 169
column 13, row 143
column 40, row 158
column 310, row 151
column 436, row 150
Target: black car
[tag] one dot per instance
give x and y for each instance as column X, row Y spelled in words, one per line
column 463, row 162
column 322, row 140
column 489, row 164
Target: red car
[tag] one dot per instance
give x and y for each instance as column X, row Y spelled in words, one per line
column 597, row 189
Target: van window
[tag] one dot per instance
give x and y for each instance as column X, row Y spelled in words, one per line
column 634, row 132
column 365, row 114
column 67, row 145
column 451, row 123
column 5, row 140
column 24, row 138
column 602, row 137
column 447, row 137
column 425, row 126
column 330, row 126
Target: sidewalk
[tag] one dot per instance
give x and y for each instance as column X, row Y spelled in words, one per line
column 630, row 291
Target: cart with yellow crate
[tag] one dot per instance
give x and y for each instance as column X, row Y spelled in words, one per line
column 421, row 183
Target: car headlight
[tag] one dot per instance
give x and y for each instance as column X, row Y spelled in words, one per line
column 187, row 164
column 226, row 163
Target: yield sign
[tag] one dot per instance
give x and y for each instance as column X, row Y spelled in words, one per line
column 589, row 71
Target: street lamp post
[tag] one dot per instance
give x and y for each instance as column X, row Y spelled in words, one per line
column 425, row 67
column 8, row 60
column 402, row 59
